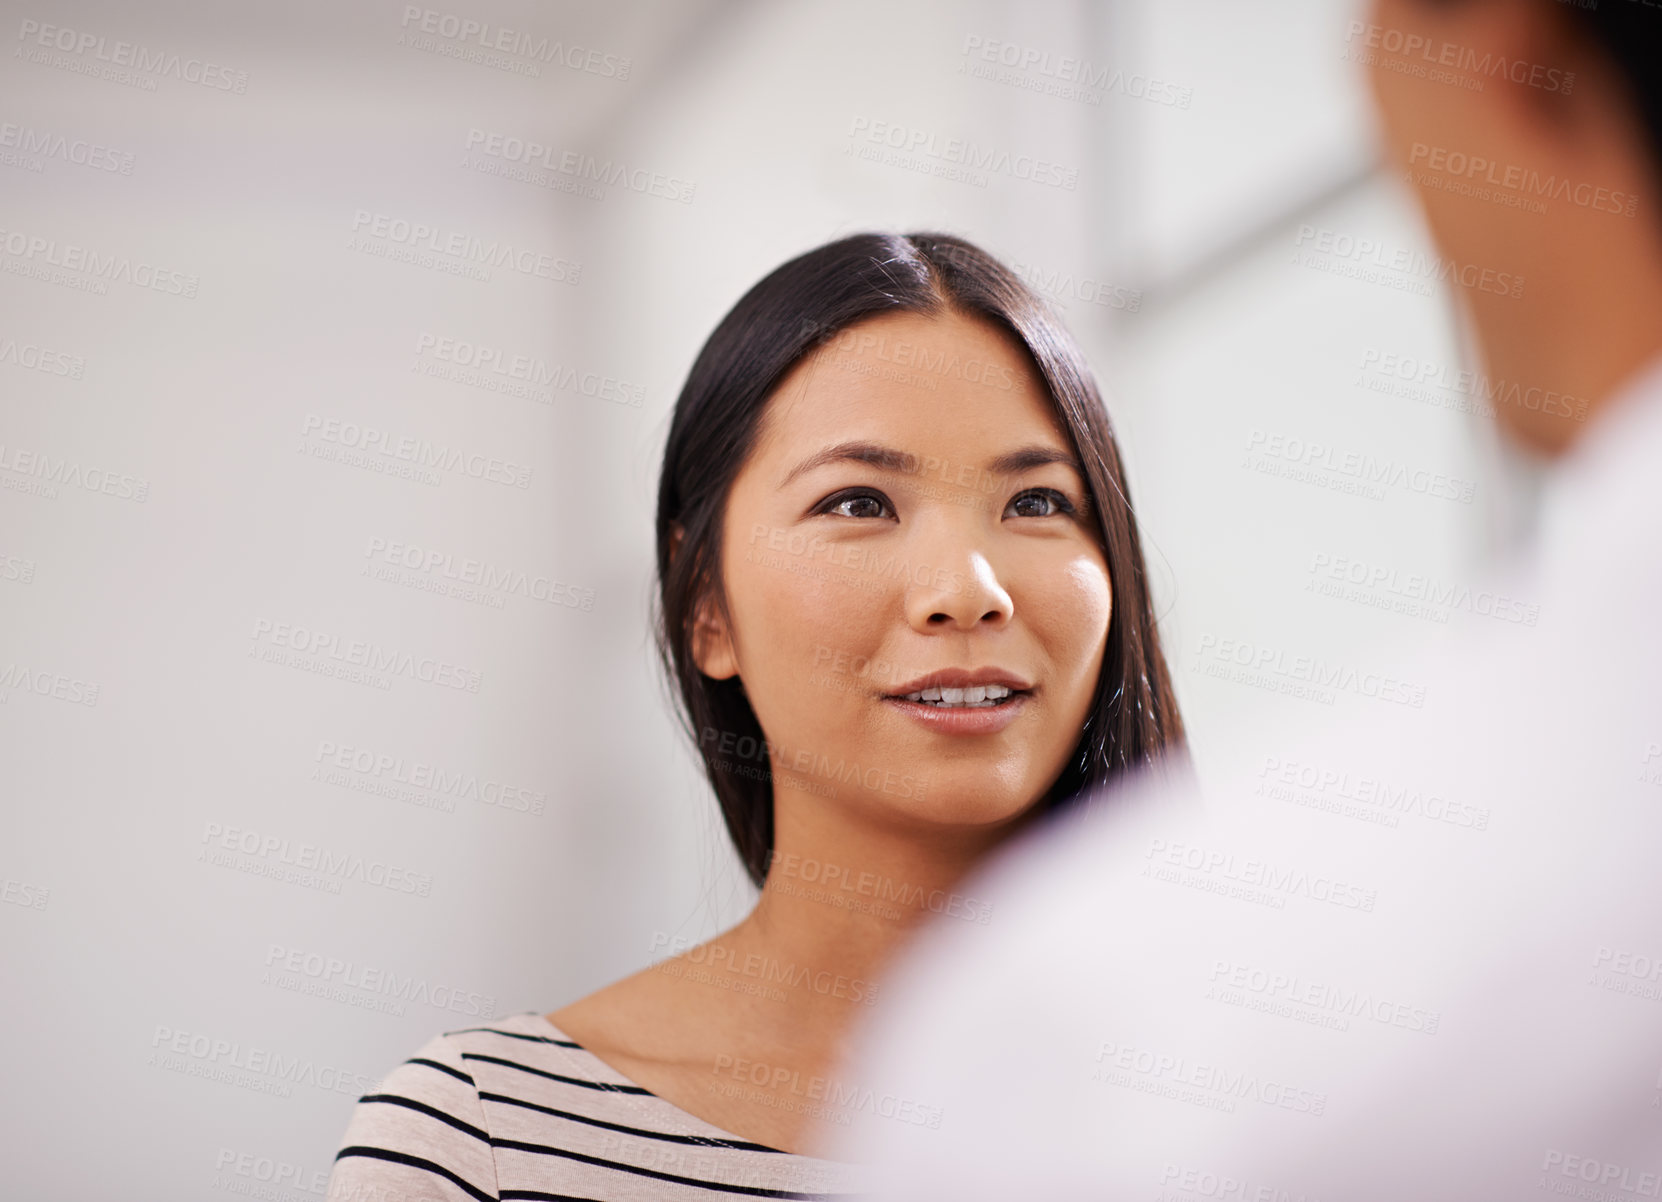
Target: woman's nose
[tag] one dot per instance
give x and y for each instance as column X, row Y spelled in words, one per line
column 959, row 589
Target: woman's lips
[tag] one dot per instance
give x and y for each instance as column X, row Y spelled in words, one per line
column 963, row 720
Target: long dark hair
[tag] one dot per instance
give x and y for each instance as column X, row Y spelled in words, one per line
column 1133, row 720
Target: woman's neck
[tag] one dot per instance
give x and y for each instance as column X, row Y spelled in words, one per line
column 842, row 896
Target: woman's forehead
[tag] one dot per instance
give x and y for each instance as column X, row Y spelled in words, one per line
column 949, row 375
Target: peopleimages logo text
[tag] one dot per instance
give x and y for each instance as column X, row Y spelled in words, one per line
column 486, row 36
column 129, row 54
column 364, row 654
column 419, row 236
column 1443, row 53
column 113, row 268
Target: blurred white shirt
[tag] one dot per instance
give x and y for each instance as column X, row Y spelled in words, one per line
column 1412, row 957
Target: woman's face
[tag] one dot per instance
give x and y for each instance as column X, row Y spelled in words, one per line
column 848, row 579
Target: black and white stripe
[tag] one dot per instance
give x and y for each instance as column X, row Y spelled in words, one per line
column 515, row 1110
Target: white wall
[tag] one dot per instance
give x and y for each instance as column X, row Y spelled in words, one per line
column 145, row 961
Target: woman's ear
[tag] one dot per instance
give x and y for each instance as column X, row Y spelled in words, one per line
column 712, row 645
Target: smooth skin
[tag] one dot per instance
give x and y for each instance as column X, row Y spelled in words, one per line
column 1587, row 316
column 940, row 566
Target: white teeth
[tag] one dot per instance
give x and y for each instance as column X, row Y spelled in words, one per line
column 978, row 695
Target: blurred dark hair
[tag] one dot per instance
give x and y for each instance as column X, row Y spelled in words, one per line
column 1133, row 717
column 1629, row 32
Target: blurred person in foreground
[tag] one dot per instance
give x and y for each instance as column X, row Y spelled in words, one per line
column 1417, row 955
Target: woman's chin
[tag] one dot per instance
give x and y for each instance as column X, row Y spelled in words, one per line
column 944, row 809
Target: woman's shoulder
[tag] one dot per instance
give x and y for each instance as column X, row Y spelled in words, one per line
column 422, row 1131
column 639, row 1020
column 520, row 1104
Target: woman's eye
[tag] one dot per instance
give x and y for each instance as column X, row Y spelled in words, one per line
column 1059, row 501
column 1038, row 503
column 858, row 505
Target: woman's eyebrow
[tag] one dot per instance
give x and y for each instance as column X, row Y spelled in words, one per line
column 890, row 460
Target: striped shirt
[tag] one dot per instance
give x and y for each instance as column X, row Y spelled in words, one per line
column 519, row 1110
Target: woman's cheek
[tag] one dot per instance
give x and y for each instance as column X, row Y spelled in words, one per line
column 1088, row 596
column 800, row 625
